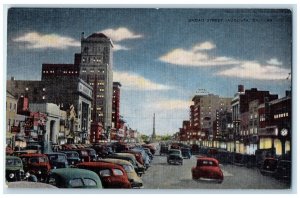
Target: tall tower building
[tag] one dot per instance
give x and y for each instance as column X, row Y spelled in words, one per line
column 153, row 133
column 96, row 69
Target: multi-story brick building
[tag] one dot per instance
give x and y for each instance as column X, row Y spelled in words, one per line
column 241, row 139
column 275, row 127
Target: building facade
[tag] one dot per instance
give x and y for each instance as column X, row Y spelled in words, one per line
column 96, row 69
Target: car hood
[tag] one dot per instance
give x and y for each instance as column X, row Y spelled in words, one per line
column 133, row 175
column 13, row 168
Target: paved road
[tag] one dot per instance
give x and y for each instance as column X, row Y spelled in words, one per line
column 163, row 176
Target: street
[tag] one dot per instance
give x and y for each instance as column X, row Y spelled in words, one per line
column 161, row 175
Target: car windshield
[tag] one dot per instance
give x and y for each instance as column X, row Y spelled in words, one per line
column 13, row 162
column 128, row 168
column 38, row 160
column 60, row 158
column 205, row 163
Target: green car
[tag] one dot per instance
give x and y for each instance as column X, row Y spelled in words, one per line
column 74, row 178
column 14, row 169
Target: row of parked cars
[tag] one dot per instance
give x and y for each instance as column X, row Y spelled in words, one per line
column 117, row 165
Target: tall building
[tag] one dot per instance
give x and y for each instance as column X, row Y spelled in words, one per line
column 116, row 105
column 96, row 69
column 204, row 114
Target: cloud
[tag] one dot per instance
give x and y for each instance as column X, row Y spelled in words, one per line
column 254, row 70
column 274, row 61
column 35, row 40
column 120, row 34
column 196, row 57
column 204, row 46
column 118, row 47
column 132, row 81
column 171, row 104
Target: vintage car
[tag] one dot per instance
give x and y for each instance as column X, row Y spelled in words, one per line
column 283, row 171
column 139, row 168
column 36, row 164
column 72, row 157
column 92, row 153
column 174, row 157
column 9, row 150
column 14, row 169
column 269, row 166
column 138, row 156
column 164, row 149
column 57, row 160
column 148, row 152
column 28, row 184
column 83, row 155
column 111, row 175
column 151, row 147
column 134, row 179
column 74, row 178
column 207, row 169
column 175, row 146
column 186, row 153
column 195, row 149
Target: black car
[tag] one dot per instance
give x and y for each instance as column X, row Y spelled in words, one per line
column 174, row 157
column 186, row 153
column 14, row 169
column 72, row 157
column 283, row 171
column 164, row 150
column 269, row 166
column 57, row 160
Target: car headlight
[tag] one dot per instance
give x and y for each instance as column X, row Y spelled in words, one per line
column 54, row 167
column 11, row 175
column 27, row 174
column 72, row 162
column 39, row 172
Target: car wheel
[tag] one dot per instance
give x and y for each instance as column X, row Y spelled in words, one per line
column 220, row 181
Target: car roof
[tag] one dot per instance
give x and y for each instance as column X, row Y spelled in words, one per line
column 99, row 164
column 33, row 155
column 67, row 173
column 207, row 159
column 116, row 161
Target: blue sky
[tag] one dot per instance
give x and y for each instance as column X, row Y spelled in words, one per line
column 161, row 56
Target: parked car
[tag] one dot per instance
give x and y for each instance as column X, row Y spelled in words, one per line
column 186, row 153
column 134, row 179
column 74, row 178
column 14, row 169
column 92, row 153
column 36, row 164
column 146, row 158
column 111, row 175
column 174, row 157
column 207, row 168
column 139, row 168
column 283, row 171
column 28, row 184
column 269, row 166
column 148, row 152
column 57, row 160
column 9, row 150
column 72, row 157
column 151, row 147
column 83, row 155
column 137, row 155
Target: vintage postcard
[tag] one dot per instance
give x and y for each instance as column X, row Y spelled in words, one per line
column 149, row 98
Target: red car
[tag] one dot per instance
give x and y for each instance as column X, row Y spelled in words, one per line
column 207, row 169
column 111, row 175
column 36, row 164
